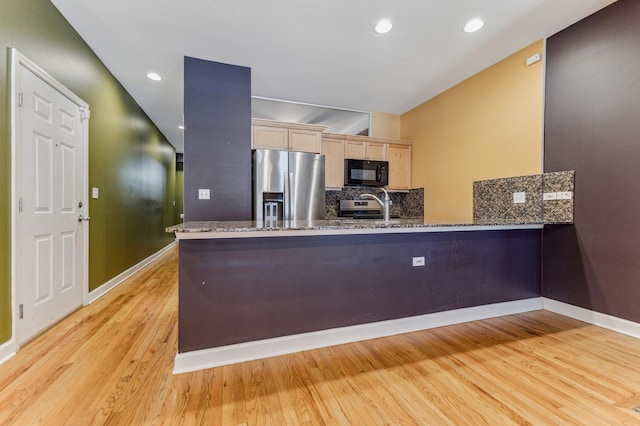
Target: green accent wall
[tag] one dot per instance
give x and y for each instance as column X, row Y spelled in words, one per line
column 130, row 161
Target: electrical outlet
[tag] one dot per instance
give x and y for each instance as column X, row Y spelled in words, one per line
column 418, row 261
column 204, row 194
column 549, row 196
column 566, row 195
column 533, row 59
column 519, row 198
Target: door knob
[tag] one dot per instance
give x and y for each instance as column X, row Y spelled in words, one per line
column 83, row 218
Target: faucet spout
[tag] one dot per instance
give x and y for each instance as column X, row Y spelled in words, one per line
column 385, row 203
column 372, row 197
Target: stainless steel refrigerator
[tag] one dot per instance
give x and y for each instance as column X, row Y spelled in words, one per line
column 288, row 186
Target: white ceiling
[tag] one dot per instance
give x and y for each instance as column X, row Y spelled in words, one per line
column 321, row 52
column 341, row 121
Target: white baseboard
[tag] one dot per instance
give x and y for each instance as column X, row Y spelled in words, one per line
column 231, row 354
column 7, row 351
column 117, row 280
column 619, row 325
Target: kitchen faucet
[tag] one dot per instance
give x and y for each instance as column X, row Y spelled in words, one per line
column 385, row 203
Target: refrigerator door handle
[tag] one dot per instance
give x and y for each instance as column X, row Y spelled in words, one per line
column 287, row 196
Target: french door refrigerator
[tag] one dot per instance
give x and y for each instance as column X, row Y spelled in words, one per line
column 287, row 186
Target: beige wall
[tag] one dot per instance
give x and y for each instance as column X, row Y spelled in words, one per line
column 384, row 125
column 486, row 127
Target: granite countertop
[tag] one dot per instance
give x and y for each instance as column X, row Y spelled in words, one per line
column 231, row 229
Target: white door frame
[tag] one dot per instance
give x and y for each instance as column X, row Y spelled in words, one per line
column 18, row 59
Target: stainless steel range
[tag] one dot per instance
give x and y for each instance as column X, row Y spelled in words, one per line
column 361, row 209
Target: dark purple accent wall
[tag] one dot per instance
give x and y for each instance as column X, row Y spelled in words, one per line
column 592, row 126
column 217, row 140
column 246, row 289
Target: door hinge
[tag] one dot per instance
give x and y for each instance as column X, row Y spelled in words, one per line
column 85, row 113
column 21, row 311
column 20, row 99
column 19, row 204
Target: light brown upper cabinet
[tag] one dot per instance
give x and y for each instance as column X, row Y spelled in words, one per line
column 305, row 140
column 333, row 150
column 269, row 134
column 365, row 150
column 396, row 152
column 267, row 137
column 399, row 157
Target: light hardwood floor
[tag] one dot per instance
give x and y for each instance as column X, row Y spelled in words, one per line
column 111, row 363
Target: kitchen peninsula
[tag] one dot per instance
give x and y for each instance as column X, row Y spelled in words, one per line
column 249, row 290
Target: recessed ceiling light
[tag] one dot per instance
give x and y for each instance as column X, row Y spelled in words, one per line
column 181, row 127
column 154, row 76
column 383, row 26
column 473, row 25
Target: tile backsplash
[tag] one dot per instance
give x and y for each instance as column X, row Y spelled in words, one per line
column 558, row 210
column 493, row 200
column 407, row 205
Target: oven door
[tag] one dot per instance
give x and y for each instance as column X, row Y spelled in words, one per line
column 366, row 173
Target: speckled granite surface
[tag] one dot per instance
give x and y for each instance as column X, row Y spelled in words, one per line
column 407, row 205
column 558, row 211
column 320, row 225
column 493, row 199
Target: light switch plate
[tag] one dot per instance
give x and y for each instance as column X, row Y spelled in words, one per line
column 549, row 196
column 95, row 193
column 519, row 198
column 204, row 194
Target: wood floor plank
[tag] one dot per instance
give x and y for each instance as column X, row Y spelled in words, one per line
column 528, row 376
column 111, row 363
column 607, row 389
column 233, row 398
column 337, row 388
column 261, row 409
column 372, row 396
column 361, row 365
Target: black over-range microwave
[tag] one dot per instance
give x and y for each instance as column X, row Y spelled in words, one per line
column 366, row 172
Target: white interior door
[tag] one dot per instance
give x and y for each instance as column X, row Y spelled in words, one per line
column 50, row 188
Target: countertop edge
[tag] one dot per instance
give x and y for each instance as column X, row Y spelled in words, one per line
column 270, row 233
